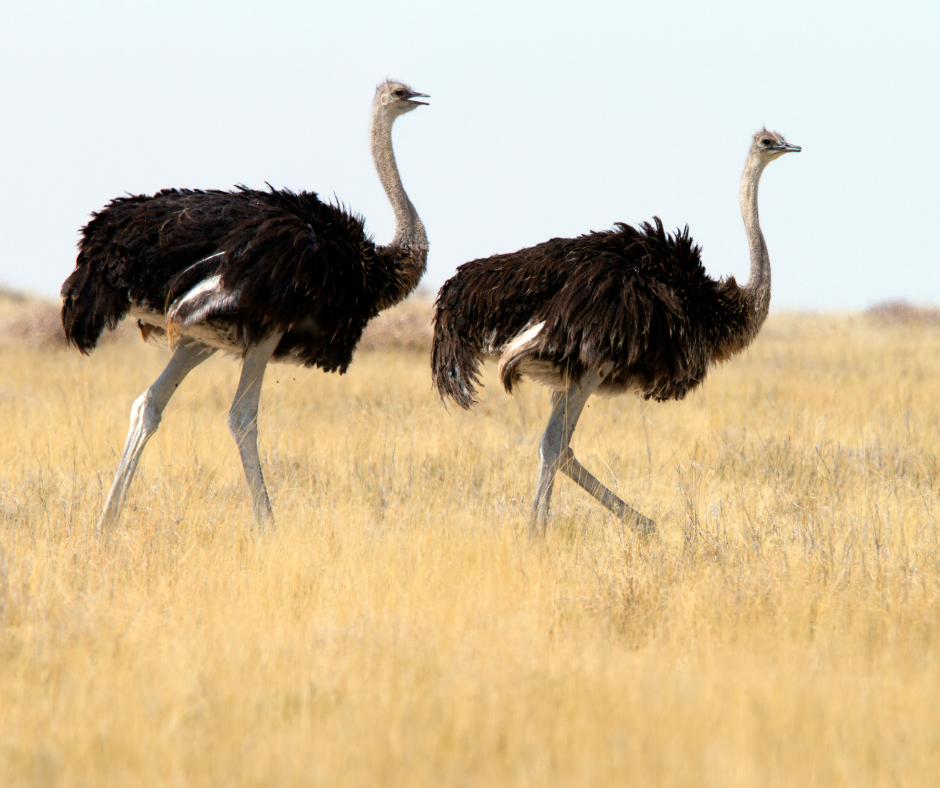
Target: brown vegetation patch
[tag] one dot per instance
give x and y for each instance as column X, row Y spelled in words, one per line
column 400, row 330
column 11, row 300
column 38, row 325
column 898, row 312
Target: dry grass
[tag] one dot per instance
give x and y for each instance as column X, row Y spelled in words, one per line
column 399, row 629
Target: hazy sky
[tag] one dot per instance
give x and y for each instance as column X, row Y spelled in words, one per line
column 546, row 120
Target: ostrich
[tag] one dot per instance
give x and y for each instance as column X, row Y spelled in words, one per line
column 258, row 274
column 608, row 312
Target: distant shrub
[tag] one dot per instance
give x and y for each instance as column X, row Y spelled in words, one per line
column 900, row 312
column 38, row 325
column 400, row 329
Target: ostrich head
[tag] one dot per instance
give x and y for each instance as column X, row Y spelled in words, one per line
column 396, row 98
column 769, row 145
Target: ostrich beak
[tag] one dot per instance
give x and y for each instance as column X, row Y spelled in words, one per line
column 411, row 96
column 788, row 148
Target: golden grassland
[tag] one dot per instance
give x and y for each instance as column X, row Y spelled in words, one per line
column 399, row 628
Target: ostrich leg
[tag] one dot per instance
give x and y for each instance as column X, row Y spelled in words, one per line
column 146, row 413
column 243, row 424
column 581, row 476
column 566, row 408
column 556, row 455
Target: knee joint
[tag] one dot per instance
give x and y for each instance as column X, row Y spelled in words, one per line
column 145, row 413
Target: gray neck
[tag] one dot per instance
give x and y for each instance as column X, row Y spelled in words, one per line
column 409, row 231
column 757, row 289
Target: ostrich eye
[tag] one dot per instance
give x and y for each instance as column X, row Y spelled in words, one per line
column 765, row 142
column 399, row 92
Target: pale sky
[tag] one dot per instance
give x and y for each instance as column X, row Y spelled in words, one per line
column 545, row 120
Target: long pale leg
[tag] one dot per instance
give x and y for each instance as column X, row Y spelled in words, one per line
column 566, row 408
column 556, row 455
column 146, row 413
column 243, row 423
column 581, row 476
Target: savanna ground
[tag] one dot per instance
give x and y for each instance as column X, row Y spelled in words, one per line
column 399, row 628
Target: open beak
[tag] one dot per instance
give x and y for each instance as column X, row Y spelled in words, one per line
column 788, row 148
column 411, row 96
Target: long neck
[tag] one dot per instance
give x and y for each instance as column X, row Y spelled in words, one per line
column 407, row 254
column 757, row 290
column 409, row 231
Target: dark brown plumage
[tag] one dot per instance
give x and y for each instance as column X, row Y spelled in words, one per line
column 286, row 262
column 636, row 302
column 610, row 312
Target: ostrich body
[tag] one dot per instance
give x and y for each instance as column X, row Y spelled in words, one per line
column 261, row 275
column 631, row 309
